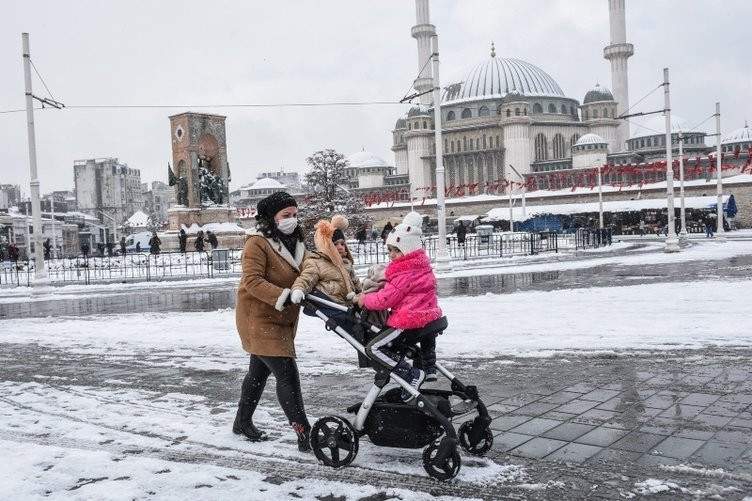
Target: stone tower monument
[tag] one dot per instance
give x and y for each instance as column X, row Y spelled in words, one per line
column 200, row 172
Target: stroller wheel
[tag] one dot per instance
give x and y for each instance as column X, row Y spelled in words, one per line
column 482, row 444
column 334, row 441
column 441, row 469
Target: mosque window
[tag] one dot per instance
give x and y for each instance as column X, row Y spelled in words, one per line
column 464, row 143
column 509, row 113
column 587, row 115
column 410, row 126
column 425, row 125
column 458, row 145
column 516, row 112
column 605, row 112
column 537, row 108
column 642, row 143
column 498, row 110
column 484, row 141
column 450, row 116
column 466, row 113
column 452, row 147
column 497, row 141
column 446, row 145
column 524, row 111
column 595, row 113
column 575, row 138
column 563, row 110
column 551, row 108
column 471, row 143
column 559, row 149
column 541, row 147
column 483, row 111
column 571, row 111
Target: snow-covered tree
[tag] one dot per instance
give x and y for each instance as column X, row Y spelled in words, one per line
column 329, row 195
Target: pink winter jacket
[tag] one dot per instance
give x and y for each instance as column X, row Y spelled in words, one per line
column 410, row 292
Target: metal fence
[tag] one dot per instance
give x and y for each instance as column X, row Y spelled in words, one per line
column 225, row 262
column 592, row 239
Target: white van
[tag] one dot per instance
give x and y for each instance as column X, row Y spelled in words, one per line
column 136, row 238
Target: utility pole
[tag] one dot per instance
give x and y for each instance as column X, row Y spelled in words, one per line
column 672, row 243
column 41, row 283
column 600, row 195
column 443, row 262
column 511, row 213
column 720, row 233
column 682, row 214
column 524, row 190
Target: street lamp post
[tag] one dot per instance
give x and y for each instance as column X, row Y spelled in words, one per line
column 524, row 190
column 41, row 283
column 443, row 262
column 672, row 243
column 600, row 195
column 720, row 231
column 682, row 214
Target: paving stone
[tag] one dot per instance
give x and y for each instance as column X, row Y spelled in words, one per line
column 715, row 421
column 741, row 423
column 600, row 395
column 730, row 409
column 615, row 456
column 617, row 404
column 505, row 423
column 638, row 442
column 522, row 399
column 561, row 416
column 738, row 397
column 734, row 437
column 717, row 453
column 507, row 441
column 601, row 436
column 568, row 431
column 679, row 448
column 702, row 399
column 560, row 397
column 538, row 448
column 574, row 453
column 659, row 401
column 581, row 387
column 695, row 433
column 662, row 426
column 499, row 408
column 617, row 386
column 577, row 406
column 534, row 409
column 682, row 411
column 595, row 416
column 536, row 426
column 657, row 460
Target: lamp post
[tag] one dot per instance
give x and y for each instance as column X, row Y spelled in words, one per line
column 600, row 195
column 511, row 213
column 54, row 237
column 720, row 232
column 672, row 243
column 682, row 214
column 41, row 283
column 443, row 262
column 524, row 189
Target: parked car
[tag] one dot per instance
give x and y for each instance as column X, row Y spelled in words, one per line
column 136, row 238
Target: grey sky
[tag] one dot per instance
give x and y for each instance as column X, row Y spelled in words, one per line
column 191, row 52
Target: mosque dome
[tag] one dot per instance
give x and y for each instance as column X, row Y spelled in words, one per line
column 743, row 135
column 266, row 183
column 596, row 94
column 417, row 111
column 590, row 139
column 496, row 77
column 401, row 124
column 363, row 159
column 657, row 125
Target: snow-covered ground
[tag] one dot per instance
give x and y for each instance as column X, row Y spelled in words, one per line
column 96, row 433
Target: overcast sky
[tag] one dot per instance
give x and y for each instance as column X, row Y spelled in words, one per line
column 207, row 53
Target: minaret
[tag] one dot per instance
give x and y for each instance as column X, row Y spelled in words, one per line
column 422, row 32
column 618, row 53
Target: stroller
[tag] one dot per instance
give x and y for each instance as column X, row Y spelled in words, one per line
column 425, row 421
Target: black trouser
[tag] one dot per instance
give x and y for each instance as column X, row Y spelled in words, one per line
column 290, row 398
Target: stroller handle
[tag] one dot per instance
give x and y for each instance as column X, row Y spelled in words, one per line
column 325, row 302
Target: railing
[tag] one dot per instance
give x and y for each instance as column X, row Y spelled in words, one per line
column 592, row 239
column 226, row 262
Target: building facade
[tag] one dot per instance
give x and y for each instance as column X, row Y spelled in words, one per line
column 107, row 189
column 158, row 198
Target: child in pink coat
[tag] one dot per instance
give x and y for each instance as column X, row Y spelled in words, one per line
column 410, row 292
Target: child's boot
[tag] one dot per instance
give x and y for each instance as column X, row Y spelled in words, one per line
column 304, row 436
column 413, row 376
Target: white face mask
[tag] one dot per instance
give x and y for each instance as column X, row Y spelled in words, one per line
column 287, row 225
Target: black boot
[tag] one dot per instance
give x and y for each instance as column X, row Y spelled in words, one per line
column 304, row 436
column 244, row 426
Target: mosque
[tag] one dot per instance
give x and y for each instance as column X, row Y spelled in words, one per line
column 507, row 124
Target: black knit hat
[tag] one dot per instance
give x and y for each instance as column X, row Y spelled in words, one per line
column 338, row 235
column 269, row 206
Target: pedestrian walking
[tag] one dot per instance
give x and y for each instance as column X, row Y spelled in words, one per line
column 461, row 234
column 708, row 228
column 199, row 244
column 85, row 249
column 642, row 227
column 212, row 238
column 182, row 240
column 138, row 246
column 385, row 232
column 154, row 243
column 271, row 259
column 110, row 249
column 13, row 252
column 122, row 246
column 47, row 249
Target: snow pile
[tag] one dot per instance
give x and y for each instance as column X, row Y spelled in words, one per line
column 654, row 486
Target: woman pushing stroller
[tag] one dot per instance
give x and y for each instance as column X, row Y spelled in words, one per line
column 410, row 292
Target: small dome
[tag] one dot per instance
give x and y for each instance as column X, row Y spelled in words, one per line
column 657, row 126
column 266, row 183
column 514, row 95
column 364, row 159
column 417, row 111
column 401, row 124
column 590, row 139
column 598, row 93
column 743, row 135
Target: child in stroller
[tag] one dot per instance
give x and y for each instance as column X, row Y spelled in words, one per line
column 410, row 292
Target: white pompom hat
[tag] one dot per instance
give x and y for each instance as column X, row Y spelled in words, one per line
column 406, row 235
